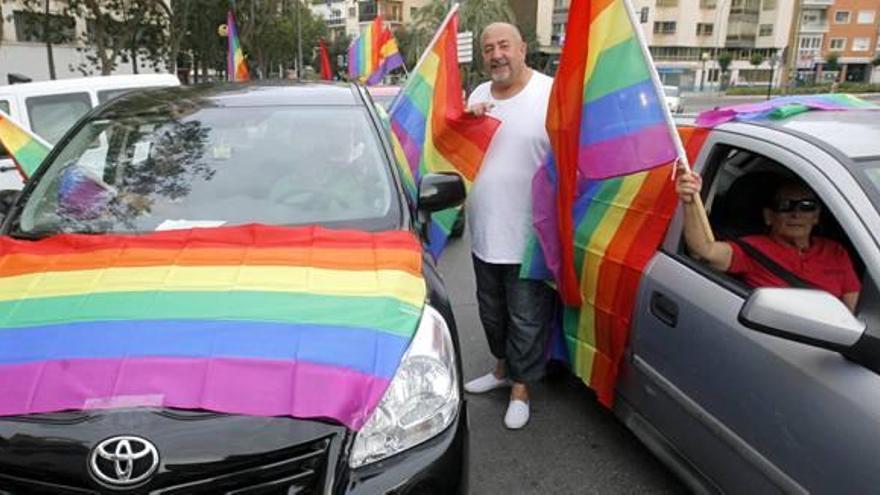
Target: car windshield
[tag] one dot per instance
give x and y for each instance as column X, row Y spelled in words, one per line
column 216, row 166
column 670, row 91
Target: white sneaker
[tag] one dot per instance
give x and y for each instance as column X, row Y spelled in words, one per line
column 517, row 414
column 486, row 383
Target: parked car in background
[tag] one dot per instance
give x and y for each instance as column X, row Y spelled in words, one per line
column 768, row 390
column 279, row 155
column 674, row 100
column 50, row 108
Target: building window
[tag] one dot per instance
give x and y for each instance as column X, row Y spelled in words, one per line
column 861, row 44
column 765, row 30
column 29, row 27
column 665, row 27
column 352, row 11
column 866, row 17
column 837, row 44
column 667, row 3
column 713, row 75
column 841, row 17
column 768, row 5
column 704, row 28
column 708, row 4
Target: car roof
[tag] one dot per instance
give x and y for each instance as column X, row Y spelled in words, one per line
column 86, row 83
column 853, row 133
column 257, row 94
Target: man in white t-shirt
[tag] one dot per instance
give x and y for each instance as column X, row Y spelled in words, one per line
column 516, row 314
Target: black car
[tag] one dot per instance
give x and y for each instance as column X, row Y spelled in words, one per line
column 315, row 155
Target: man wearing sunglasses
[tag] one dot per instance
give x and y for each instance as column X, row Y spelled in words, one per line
column 787, row 255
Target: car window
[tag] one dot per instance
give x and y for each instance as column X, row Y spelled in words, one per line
column 278, row 165
column 51, row 116
column 872, row 172
column 109, row 94
column 739, row 185
column 4, row 105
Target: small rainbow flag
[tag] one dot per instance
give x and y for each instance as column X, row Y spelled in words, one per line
column 236, row 65
column 26, row 148
column 250, row 320
column 373, row 54
column 784, row 107
column 607, row 116
column 431, row 132
column 619, row 223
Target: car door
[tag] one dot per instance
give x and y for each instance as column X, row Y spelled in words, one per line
column 752, row 412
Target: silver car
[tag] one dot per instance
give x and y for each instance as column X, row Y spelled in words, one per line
column 767, row 390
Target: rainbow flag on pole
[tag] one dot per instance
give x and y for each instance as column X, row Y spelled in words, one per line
column 604, row 198
column 430, row 130
column 26, row 148
column 373, row 54
column 236, row 65
column 607, row 115
column 250, row 320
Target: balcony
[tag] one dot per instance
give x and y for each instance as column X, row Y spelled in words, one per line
column 333, row 22
column 817, row 3
column 814, row 27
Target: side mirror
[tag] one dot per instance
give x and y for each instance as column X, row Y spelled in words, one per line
column 808, row 316
column 7, row 199
column 440, row 191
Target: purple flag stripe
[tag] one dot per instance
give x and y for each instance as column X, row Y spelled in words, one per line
column 628, row 154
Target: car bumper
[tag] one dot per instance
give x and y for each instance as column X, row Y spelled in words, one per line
column 438, row 466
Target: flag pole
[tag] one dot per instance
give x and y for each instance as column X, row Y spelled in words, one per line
column 667, row 115
column 424, row 54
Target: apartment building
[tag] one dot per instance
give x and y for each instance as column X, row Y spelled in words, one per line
column 348, row 16
column 847, row 28
column 23, row 46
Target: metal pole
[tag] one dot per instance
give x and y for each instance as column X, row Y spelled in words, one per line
column 299, row 41
column 770, row 82
column 702, row 74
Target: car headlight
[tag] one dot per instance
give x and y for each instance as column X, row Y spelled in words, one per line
column 422, row 399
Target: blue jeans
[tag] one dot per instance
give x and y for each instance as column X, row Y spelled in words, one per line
column 517, row 315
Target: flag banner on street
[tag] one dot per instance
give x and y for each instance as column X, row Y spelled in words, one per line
column 430, row 130
column 251, row 319
column 26, row 149
column 784, row 107
column 326, row 71
column 373, row 54
column 619, row 224
column 236, row 65
column 607, row 116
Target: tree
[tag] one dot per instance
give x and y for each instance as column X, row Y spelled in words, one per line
column 832, row 62
column 756, row 60
column 724, row 61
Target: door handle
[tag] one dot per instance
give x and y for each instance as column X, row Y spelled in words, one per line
column 665, row 309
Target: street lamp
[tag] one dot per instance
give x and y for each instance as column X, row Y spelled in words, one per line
column 705, row 58
column 772, row 61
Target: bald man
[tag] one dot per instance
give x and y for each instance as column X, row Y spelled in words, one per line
column 515, row 313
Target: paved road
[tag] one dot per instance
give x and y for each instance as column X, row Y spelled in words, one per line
column 572, row 444
column 697, row 102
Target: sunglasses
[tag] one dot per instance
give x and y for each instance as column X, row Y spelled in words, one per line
column 789, row 205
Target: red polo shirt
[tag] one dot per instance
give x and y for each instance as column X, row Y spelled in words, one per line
column 825, row 264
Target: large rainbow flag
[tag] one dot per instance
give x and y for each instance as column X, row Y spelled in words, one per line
column 619, row 223
column 236, row 65
column 26, row 148
column 607, row 116
column 253, row 320
column 373, row 54
column 430, row 130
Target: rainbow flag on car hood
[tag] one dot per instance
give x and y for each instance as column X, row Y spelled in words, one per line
column 784, row 107
column 272, row 321
column 26, row 148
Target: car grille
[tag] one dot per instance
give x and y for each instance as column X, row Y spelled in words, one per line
column 298, row 470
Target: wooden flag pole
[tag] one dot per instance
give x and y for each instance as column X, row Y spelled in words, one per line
column 670, row 123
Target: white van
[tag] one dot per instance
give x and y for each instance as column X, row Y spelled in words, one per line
column 50, row 108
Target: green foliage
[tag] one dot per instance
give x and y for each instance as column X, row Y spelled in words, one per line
column 875, row 62
column 756, row 59
column 724, row 60
column 831, row 61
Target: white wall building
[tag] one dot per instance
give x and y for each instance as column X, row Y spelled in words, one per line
column 22, row 51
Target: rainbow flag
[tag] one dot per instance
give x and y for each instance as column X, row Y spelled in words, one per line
column 430, row 131
column 373, row 54
column 619, row 223
column 251, row 319
column 607, row 116
column 236, row 65
column 26, row 149
column 783, row 108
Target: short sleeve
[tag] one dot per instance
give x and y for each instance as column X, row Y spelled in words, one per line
column 740, row 262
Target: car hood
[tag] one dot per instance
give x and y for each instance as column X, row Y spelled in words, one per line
column 257, row 320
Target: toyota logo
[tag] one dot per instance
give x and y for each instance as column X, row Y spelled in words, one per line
column 123, row 462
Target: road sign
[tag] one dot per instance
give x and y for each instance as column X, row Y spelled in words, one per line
column 465, row 47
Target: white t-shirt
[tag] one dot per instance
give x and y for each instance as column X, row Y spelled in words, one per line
column 499, row 205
